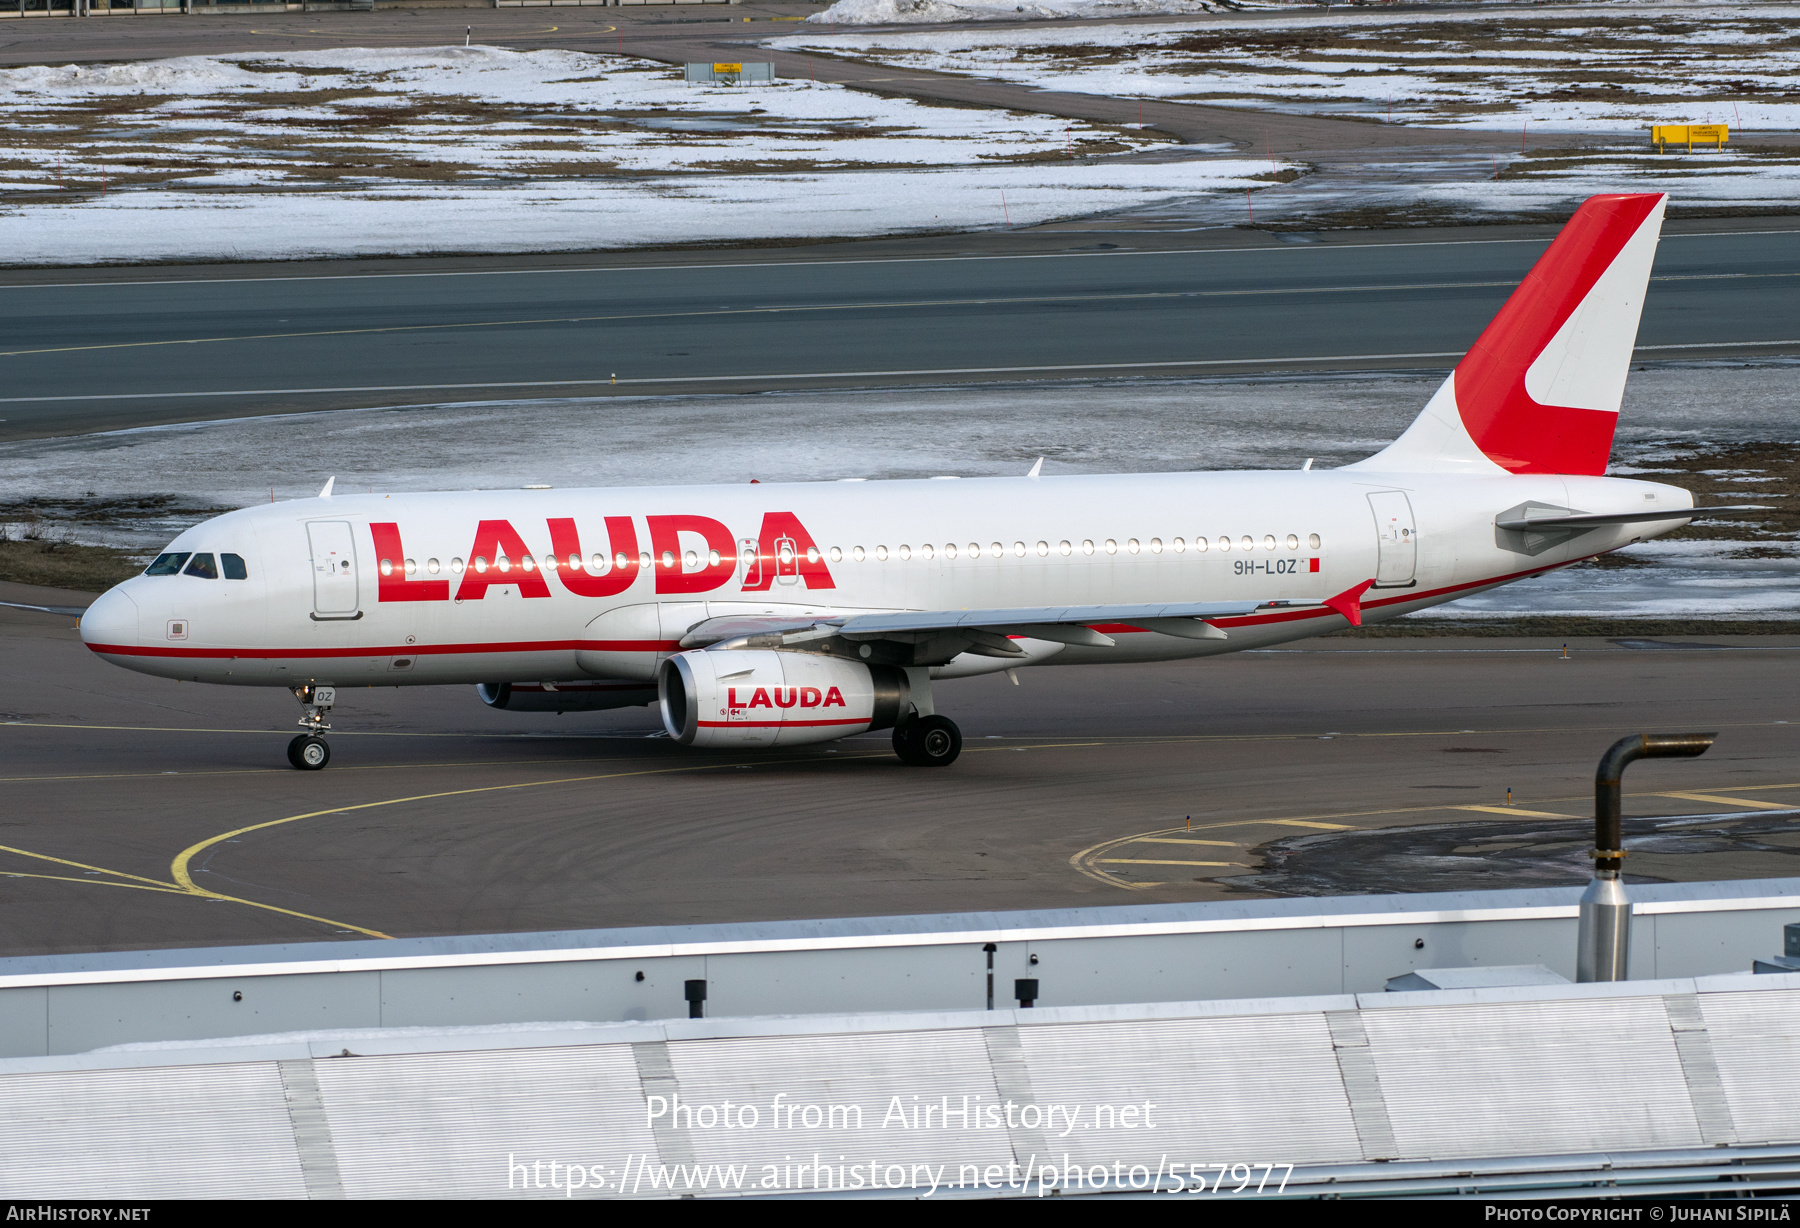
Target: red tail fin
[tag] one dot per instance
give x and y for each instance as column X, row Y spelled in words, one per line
column 1539, row 391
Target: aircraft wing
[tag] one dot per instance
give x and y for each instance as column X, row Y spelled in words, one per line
column 989, row 630
column 1063, row 624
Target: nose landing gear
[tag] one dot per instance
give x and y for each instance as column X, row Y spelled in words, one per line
column 309, row 751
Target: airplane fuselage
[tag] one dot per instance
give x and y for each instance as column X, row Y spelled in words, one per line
column 551, row 585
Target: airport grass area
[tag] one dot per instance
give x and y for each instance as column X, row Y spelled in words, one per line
column 57, row 564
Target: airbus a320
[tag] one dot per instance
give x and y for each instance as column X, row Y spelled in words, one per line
column 778, row 614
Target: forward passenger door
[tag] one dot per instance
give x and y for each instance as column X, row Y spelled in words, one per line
column 333, row 570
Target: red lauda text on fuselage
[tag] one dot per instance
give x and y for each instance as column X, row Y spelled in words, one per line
column 500, row 556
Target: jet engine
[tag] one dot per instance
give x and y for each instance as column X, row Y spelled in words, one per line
column 769, row 697
column 586, row 696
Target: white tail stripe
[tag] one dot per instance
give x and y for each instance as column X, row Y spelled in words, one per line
column 1585, row 364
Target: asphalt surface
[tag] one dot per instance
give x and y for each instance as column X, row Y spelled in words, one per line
column 147, row 813
column 88, row 354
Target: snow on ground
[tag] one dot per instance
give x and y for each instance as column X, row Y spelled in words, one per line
column 1459, row 187
column 1080, row 426
column 586, row 215
column 932, row 12
column 361, row 152
column 471, row 115
column 1598, row 68
column 1607, row 70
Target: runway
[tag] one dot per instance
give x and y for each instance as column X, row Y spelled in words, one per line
column 84, row 353
column 145, row 813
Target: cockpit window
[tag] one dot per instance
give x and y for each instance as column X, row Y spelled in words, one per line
column 234, row 567
column 202, row 566
column 166, row 564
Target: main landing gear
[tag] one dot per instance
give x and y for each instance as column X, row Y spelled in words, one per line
column 309, row 751
column 927, row 741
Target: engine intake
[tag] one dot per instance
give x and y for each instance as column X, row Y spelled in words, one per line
column 768, row 697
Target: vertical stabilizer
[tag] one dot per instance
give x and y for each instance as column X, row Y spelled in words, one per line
column 1539, row 392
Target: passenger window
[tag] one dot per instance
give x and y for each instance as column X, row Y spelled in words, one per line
column 202, row 566
column 166, row 565
column 234, row 567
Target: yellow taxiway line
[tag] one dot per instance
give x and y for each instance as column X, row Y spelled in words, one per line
column 1088, row 861
column 181, row 875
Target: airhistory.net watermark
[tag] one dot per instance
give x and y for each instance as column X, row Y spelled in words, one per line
column 642, row 1174
column 902, row 1113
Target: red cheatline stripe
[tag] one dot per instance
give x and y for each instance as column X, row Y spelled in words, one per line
column 777, row 724
column 1285, row 616
column 410, row 650
column 420, row 650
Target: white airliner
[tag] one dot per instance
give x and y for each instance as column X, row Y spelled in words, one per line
column 779, row 614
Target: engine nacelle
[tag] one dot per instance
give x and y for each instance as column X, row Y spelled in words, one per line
column 767, row 697
column 581, row 696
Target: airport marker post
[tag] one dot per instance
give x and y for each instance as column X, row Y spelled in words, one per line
column 1603, row 948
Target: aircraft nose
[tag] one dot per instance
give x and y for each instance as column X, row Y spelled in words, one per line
column 113, row 619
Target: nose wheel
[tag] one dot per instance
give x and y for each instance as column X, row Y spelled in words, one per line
column 309, row 751
column 928, row 741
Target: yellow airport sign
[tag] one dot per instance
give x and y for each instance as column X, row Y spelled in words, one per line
column 1678, row 134
column 728, row 68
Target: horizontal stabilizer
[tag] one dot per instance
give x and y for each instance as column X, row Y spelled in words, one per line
column 1539, row 523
